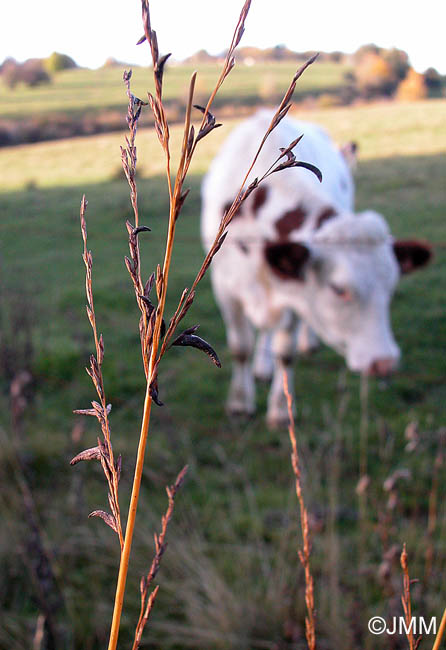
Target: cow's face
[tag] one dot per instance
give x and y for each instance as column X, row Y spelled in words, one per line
column 342, row 284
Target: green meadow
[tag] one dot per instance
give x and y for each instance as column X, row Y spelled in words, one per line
column 230, row 578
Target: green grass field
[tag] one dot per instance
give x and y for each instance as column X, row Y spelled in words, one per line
column 230, row 577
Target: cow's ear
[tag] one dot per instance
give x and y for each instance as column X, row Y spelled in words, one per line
column 287, row 259
column 411, row 254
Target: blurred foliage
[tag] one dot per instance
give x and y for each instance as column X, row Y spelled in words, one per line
column 57, row 62
column 412, row 88
column 380, row 72
column 30, row 73
column 374, row 76
column 435, row 82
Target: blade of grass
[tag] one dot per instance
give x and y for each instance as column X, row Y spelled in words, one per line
column 440, row 633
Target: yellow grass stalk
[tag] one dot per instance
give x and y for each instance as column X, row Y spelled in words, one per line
column 440, row 633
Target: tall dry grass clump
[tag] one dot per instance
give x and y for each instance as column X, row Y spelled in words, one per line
column 101, row 410
column 304, row 553
column 156, row 337
column 406, row 601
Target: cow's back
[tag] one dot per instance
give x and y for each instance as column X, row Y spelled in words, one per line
column 228, row 169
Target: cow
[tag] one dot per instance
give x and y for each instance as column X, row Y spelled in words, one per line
column 295, row 249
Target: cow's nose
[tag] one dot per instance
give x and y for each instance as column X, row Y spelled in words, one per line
column 382, row 367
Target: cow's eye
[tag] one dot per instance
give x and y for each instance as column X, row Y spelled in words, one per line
column 342, row 292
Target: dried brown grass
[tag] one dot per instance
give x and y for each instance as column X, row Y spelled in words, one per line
column 156, row 338
column 406, row 601
column 305, row 552
column 34, row 547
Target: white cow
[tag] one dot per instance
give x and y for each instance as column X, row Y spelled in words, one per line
column 296, row 249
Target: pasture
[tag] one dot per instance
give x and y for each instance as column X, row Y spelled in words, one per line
column 84, row 102
column 230, row 577
column 81, row 89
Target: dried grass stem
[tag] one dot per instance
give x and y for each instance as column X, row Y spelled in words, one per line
column 304, row 554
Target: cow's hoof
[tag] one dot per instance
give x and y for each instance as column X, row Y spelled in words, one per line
column 308, row 351
column 241, row 401
column 307, row 341
column 307, row 346
column 277, row 421
column 236, row 409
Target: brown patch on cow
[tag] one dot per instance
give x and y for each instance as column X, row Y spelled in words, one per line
column 411, row 254
column 260, row 196
column 325, row 215
column 239, row 356
column 287, row 259
column 291, row 220
column 226, row 207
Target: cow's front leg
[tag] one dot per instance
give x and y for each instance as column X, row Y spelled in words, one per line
column 240, row 336
column 263, row 364
column 284, row 351
column 307, row 341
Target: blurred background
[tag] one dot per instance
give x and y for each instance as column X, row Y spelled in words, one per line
column 372, row 453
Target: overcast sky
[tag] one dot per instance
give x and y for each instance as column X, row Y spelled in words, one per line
column 92, row 30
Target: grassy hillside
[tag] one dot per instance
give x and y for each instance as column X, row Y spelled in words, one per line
column 84, row 102
column 81, row 90
column 230, row 578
